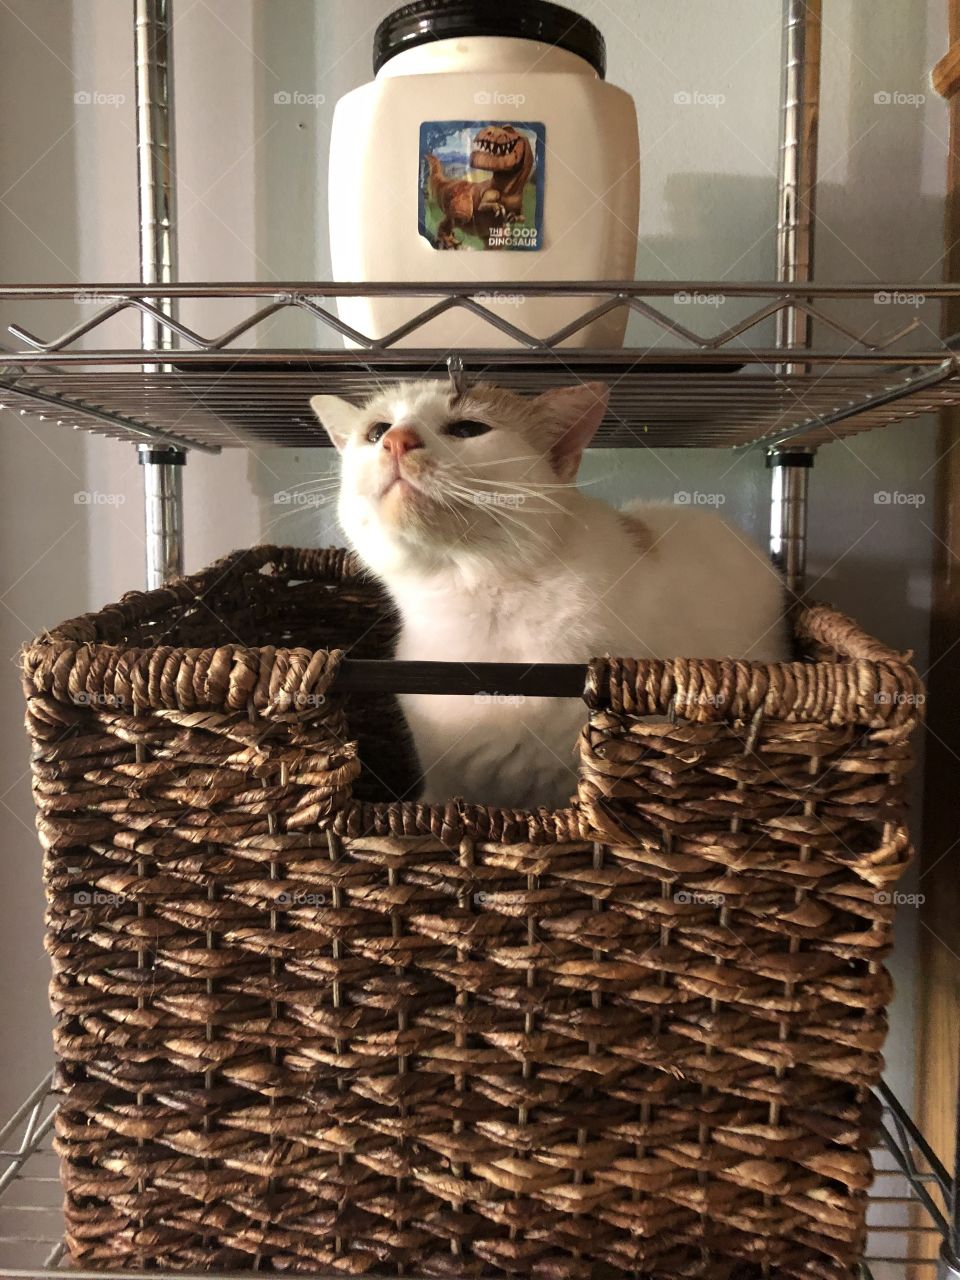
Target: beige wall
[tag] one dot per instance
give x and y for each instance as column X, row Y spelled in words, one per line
column 252, row 205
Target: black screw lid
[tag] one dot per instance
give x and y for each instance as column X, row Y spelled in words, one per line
column 427, row 20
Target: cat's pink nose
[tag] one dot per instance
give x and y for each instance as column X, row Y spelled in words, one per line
column 400, row 440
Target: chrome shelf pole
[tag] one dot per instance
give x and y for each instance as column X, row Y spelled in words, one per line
column 796, row 193
column 162, row 467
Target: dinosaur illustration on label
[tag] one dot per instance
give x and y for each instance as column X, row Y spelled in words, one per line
column 481, row 184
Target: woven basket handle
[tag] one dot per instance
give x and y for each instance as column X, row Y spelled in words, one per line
column 862, row 682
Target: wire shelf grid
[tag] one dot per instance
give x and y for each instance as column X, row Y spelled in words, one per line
column 908, row 1213
column 675, row 386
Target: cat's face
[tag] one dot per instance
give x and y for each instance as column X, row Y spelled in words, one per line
column 428, row 478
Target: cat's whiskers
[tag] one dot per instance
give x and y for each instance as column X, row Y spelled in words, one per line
column 330, row 481
column 445, row 502
column 531, row 458
column 552, row 484
column 504, row 520
column 284, row 515
column 500, row 462
column 301, row 492
column 492, row 500
column 501, row 517
column 490, row 485
column 510, row 489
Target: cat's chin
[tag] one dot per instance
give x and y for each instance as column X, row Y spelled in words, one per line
column 406, row 509
column 401, row 498
column 401, row 485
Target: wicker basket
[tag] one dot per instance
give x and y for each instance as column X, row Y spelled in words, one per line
column 298, row 1029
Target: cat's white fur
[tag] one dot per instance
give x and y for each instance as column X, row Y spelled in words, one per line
column 493, row 555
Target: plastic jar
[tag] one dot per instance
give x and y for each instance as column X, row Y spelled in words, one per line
column 489, row 149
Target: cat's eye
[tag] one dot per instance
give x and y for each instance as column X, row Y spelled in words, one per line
column 466, row 428
column 377, row 431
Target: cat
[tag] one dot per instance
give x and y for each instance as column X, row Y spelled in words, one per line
column 465, row 506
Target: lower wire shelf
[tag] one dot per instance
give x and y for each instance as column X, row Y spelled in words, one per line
column 910, row 1235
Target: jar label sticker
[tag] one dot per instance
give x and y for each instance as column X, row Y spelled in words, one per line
column 481, row 184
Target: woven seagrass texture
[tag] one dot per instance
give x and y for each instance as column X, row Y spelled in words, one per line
column 298, row 1028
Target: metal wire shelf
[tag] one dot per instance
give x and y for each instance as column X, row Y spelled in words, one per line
column 910, row 1203
column 731, row 388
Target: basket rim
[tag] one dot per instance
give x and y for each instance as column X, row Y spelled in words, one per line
column 453, row 821
column 870, row 685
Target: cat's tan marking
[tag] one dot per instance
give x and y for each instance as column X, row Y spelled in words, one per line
column 500, row 404
column 640, row 534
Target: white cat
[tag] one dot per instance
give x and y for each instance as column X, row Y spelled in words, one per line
column 466, row 509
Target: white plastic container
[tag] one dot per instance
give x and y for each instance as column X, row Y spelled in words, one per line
column 489, row 149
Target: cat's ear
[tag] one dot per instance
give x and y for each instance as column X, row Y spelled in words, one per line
column 575, row 413
column 338, row 417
